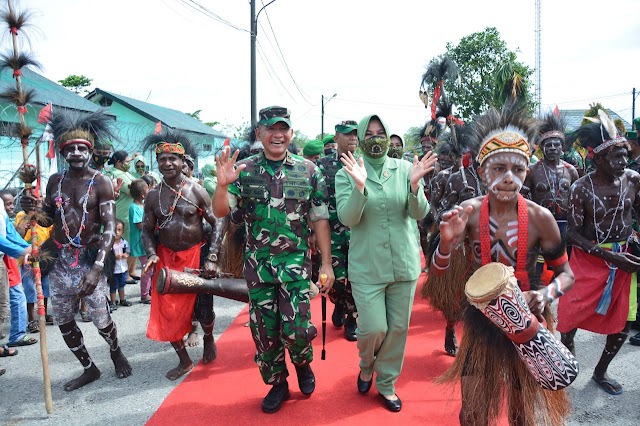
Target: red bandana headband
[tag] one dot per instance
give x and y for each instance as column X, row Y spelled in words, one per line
column 72, row 141
column 169, row 148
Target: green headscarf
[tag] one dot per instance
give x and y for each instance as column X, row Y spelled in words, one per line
column 368, row 146
column 210, row 180
column 133, row 171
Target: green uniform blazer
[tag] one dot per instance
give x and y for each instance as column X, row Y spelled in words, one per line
column 384, row 247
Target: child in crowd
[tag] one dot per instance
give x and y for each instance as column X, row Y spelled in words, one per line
column 23, row 226
column 121, row 250
column 138, row 190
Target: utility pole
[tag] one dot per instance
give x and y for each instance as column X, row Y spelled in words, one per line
column 633, row 110
column 254, row 34
column 254, row 31
column 538, row 61
column 322, row 120
column 322, row 114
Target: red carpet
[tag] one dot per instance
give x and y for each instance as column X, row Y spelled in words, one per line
column 230, row 390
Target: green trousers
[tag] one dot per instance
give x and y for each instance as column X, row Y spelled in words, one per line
column 280, row 316
column 384, row 311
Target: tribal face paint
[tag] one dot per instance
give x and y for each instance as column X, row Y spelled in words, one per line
column 504, row 174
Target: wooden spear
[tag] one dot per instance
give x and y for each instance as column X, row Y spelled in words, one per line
column 28, row 175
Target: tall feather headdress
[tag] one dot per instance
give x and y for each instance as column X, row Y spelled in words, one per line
column 439, row 69
column 599, row 135
column 508, row 129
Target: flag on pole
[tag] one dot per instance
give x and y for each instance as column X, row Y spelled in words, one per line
column 45, row 114
column 158, row 128
column 556, row 111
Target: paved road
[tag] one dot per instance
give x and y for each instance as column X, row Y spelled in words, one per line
column 132, row 401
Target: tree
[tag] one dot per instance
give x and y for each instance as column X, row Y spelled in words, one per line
column 299, row 138
column 76, row 83
column 412, row 139
column 195, row 114
column 479, row 57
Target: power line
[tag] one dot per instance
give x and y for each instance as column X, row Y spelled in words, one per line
column 208, row 13
column 597, row 98
column 379, row 103
column 268, row 66
column 295, row 83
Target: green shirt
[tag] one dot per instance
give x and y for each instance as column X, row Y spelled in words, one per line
column 275, row 205
column 384, row 245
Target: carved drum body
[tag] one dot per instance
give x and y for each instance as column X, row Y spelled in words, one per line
column 493, row 289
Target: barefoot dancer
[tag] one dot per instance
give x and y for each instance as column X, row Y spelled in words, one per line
column 503, row 227
column 551, row 178
column 79, row 202
column 172, row 236
column 602, row 203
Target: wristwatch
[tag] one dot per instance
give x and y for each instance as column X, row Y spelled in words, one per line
column 212, row 257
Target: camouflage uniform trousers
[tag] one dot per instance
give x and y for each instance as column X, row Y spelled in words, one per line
column 280, row 316
column 340, row 293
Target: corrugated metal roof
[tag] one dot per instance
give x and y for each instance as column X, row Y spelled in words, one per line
column 573, row 118
column 169, row 117
column 47, row 91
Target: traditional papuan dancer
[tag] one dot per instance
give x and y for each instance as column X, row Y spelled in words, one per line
column 445, row 292
column 80, row 203
column 506, row 228
column 600, row 224
column 172, row 236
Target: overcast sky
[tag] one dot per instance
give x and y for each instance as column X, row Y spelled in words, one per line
column 370, row 53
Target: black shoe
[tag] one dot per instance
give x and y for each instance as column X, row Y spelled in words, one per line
column 306, row 379
column 364, row 386
column 390, row 405
column 125, row 303
column 635, row 340
column 277, row 395
column 338, row 316
column 350, row 329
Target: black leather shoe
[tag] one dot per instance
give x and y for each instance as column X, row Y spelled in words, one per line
column 338, row 315
column 306, row 379
column 391, row 405
column 350, row 329
column 364, row 386
column 277, row 395
column 635, row 340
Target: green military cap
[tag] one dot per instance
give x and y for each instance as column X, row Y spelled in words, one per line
column 632, row 135
column 636, row 123
column 312, row 148
column 327, row 139
column 346, row 126
column 270, row 115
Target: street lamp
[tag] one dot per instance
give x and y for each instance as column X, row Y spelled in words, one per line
column 322, row 120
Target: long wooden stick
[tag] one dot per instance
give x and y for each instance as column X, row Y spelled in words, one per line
column 48, row 402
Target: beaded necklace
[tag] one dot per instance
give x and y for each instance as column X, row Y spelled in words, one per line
column 553, row 183
column 75, row 241
column 596, row 226
column 172, row 207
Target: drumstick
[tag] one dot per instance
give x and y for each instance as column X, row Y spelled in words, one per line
column 323, row 281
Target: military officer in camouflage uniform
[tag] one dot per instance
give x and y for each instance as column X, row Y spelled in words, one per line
column 634, row 151
column 275, row 193
column 346, row 138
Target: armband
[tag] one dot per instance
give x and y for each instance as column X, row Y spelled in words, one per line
column 559, row 261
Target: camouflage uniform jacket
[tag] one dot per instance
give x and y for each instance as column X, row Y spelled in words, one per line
column 634, row 164
column 275, row 206
column 340, row 234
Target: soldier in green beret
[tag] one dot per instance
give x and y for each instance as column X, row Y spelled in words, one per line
column 330, row 145
column 344, row 312
column 312, row 150
column 275, row 193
